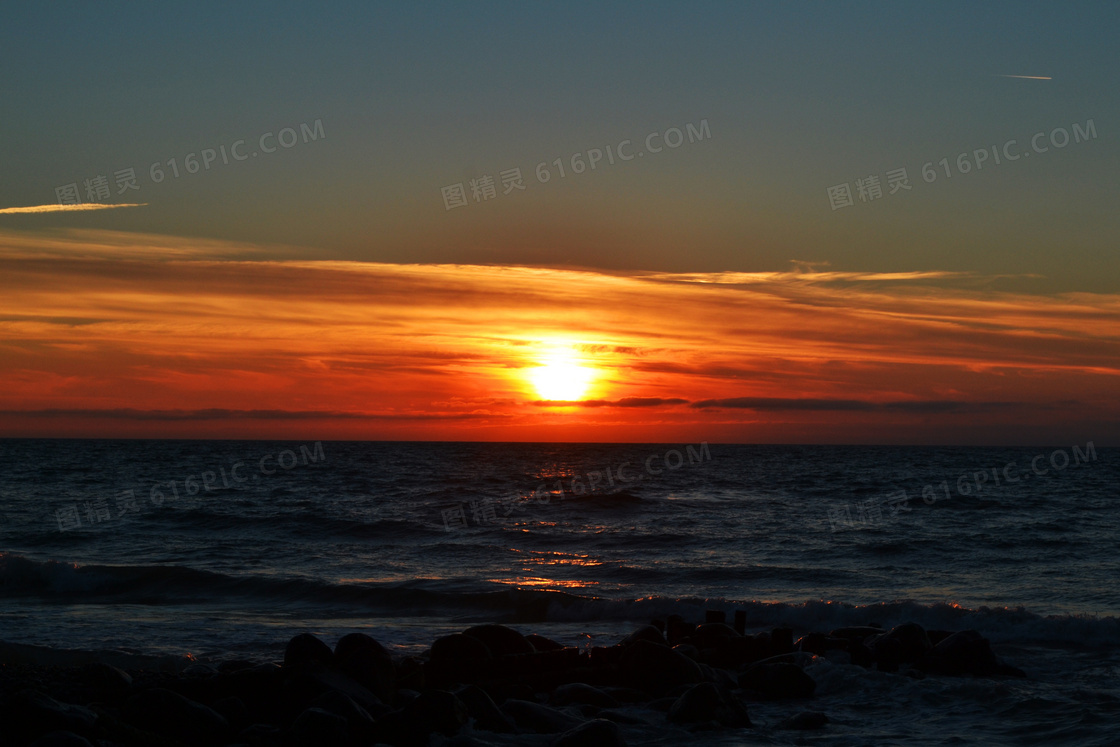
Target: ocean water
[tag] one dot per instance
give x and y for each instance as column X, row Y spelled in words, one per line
column 227, row 548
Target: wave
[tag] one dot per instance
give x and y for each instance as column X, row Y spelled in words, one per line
column 70, row 582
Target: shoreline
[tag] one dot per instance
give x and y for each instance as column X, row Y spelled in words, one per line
column 487, row 684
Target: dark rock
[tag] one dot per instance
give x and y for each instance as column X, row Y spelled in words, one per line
column 706, row 702
column 804, row 721
column 688, row 650
column 233, row 710
column 656, row 668
column 539, row 718
column 913, row 643
column 368, row 663
column 261, row 734
column 966, row 652
column 813, row 643
column 316, row 727
column 713, row 635
column 31, row 714
column 577, row 692
column 500, row 640
column 169, row 713
column 778, row 681
column 306, row 649
column 646, row 633
column 437, row 710
column 487, row 716
column 410, row 673
column 304, row 686
column 597, row 733
column 626, row 694
column 459, row 648
column 856, row 633
column 887, row 653
column 540, row 643
column 61, row 739
column 358, row 719
column 235, row 665
column 106, row 677
column 781, row 640
column 676, row 629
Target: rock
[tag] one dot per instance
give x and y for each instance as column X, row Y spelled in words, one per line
column 781, row 640
column 500, row 640
column 966, row 652
column 913, row 643
column 308, row 683
column 233, row 710
column 688, row 650
column 578, row 692
column 316, row 727
column 30, row 714
column 656, row 668
column 540, row 643
column 486, row 714
column 647, row 633
column 306, row 649
column 713, row 635
column 410, row 673
column 539, row 718
column 437, row 710
column 597, row 733
column 106, row 677
column 706, row 702
column 804, row 721
column 856, row 633
column 887, row 653
column 677, row 630
column 358, row 720
column 168, row 713
column 778, row 681
column 459, row 648
column 814, row 643
column 368, row 663
column 61, row 739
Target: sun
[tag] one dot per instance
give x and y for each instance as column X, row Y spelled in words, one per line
column 560, row 377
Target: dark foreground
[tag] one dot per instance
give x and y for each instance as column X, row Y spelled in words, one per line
column 487, row 683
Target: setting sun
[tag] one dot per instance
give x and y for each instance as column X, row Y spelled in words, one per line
column 560, row 377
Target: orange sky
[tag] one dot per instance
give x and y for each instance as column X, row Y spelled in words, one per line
column 107, row 334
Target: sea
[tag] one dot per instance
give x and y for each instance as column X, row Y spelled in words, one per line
column 196, row 550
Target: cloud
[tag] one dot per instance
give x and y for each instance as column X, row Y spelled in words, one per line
column 852, row 405
column 66, row 208
column 624, row 402
column 209, row 331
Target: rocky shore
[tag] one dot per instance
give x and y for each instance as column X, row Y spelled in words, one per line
column 489, row 684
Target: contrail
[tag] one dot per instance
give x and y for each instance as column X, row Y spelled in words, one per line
column 66, row 208
column 1026, row 77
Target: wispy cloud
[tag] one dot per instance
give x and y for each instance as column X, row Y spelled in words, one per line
column 94, row 322
column 67, row 208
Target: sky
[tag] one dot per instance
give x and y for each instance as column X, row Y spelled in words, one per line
column 641, row 222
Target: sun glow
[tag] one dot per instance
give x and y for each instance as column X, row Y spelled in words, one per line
column 560, row 377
